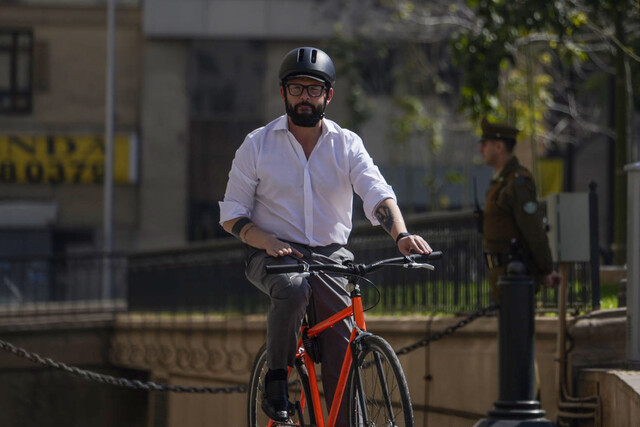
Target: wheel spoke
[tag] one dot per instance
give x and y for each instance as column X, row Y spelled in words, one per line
column 382, row 388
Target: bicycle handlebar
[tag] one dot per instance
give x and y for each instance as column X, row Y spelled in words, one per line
column 351, row 268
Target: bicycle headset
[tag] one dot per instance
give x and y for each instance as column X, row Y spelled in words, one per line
column 307, row 62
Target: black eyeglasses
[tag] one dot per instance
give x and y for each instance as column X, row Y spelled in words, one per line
column 313, row 90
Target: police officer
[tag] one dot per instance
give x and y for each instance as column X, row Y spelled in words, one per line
column 511, row 210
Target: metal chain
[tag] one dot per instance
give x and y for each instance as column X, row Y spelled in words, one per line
column 121, row 382
column 152, row 386
column 448, row 331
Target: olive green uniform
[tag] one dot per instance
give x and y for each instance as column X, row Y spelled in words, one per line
column 511, row 211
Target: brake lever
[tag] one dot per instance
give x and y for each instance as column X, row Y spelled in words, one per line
column 305, row 274
column 419, row 265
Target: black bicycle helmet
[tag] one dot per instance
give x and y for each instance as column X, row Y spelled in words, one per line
column 307, row 61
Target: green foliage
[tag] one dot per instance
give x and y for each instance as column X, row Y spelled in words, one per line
column 507, row 29
column 609, row 296
column 489, row 38
column 503, row 27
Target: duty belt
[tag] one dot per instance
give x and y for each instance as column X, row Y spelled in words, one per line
column 495, row 259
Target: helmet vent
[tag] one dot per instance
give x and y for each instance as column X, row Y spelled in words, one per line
column 300, row 55
column 314, row 55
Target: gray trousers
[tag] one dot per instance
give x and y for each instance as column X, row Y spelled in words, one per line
column 289, row 300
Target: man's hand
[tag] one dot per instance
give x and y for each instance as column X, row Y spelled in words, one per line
column 414, row 244
column 552, row 280
column 277, row 248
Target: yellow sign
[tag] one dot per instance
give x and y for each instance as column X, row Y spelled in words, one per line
column 551, row 172
column 65, row 159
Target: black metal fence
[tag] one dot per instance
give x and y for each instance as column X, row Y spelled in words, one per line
column 42, row 279
column 205, row 279
column 210, row 278
column 456, row 285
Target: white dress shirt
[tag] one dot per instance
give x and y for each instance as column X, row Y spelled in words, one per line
column 308, row 201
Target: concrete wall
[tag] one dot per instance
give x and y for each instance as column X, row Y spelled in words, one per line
column 453, row 381
column 621, row 407
column 35, row 395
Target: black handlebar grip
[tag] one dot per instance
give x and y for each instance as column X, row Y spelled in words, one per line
column 288, row 268
column 432, row 256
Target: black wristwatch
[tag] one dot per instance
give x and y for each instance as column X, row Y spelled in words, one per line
column 401, row 236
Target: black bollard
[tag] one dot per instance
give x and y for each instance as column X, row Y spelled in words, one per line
column 517, row 405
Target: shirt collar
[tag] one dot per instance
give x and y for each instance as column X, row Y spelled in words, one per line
column 281, row 123
column 328, row 127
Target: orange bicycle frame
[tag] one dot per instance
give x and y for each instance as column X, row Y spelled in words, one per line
column 357, row 311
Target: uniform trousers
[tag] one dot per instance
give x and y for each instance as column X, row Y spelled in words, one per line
column 289, row 300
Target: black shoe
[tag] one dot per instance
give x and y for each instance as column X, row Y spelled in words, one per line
column 275, row 399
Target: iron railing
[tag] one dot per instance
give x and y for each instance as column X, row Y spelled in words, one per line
column 210, row 278
column 31, row 281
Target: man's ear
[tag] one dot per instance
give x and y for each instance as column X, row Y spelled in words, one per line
column 282, row 93
column 329, row 95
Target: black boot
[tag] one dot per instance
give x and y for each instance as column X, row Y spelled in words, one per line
column 275, row 397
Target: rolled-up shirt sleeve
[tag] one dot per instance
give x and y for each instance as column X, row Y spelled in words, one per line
column 240, row 193
column 367, row 181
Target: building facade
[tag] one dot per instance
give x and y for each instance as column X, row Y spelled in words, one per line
column 192, row 78
column 52, row 115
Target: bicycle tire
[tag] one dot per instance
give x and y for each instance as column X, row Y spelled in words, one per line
column 298, row 383
column 376, row 364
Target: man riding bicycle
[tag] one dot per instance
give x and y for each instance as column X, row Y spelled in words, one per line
column 290, row 197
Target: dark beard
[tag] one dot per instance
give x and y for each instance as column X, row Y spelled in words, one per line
column 307, row 120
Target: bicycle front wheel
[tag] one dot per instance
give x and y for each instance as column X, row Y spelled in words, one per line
column 298, row 390
column 378, row 391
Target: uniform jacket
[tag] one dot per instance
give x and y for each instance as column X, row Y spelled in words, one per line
column 512, row 211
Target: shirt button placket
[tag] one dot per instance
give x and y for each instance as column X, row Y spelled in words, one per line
column 308, row 205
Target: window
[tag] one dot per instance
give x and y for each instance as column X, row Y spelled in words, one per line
column 16, row 69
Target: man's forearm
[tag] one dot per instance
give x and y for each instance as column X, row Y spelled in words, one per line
column 247, row 232
column 390, row 218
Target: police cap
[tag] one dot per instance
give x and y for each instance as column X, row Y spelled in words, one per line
column 502, row 131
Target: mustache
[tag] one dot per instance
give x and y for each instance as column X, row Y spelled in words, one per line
column 305, row 104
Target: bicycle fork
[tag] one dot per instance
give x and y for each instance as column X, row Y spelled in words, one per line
column 355, row 344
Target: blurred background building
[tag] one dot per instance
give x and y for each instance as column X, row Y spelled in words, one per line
column 193, row 78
